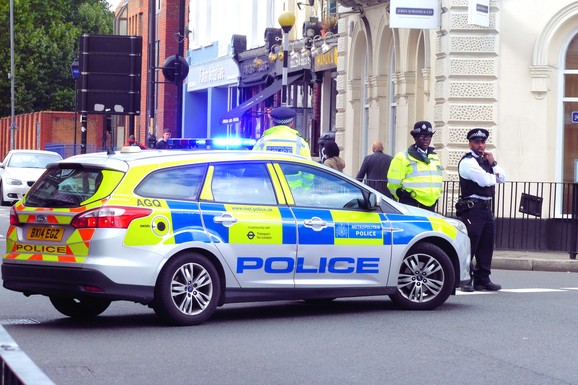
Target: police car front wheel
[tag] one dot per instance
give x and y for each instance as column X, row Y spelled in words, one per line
column 188, row 290
column 80, row 307
column 425, row 279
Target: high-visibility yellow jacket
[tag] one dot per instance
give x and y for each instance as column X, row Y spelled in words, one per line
column 283, row 139
column 418, row 175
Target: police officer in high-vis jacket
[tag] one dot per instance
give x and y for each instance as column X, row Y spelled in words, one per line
column 415, row 175
column 479, row 173
column 282, row 137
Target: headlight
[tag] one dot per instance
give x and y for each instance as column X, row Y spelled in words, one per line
column 458, row 225
column 13, row 182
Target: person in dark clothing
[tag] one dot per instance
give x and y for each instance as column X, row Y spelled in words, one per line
column 479, row 173
column 373, row 170
column 163, row 143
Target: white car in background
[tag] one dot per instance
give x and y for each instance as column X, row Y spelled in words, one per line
column 20, row 169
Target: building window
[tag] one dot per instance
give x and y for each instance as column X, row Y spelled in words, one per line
column 570, row 108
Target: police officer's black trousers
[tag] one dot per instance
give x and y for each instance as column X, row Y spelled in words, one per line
column 480, row 224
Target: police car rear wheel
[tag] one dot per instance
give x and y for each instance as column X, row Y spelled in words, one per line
column 426, row 278
column 80, row 307
column 188, row 290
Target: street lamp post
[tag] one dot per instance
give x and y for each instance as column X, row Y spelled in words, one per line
column 12, row 93
column 286, row 20
column 75, row 70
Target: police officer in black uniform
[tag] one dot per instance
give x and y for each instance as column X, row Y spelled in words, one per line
column 479, row 173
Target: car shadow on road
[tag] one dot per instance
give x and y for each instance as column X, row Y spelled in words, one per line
column 243, row 312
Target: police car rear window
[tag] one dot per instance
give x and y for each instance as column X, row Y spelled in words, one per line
column 65, row 187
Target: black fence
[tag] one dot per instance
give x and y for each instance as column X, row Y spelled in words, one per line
column 529, row 215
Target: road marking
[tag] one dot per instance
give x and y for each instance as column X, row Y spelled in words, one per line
column 531, row 290
column 20, row 321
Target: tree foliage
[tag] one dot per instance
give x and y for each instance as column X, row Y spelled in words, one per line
column 46, row 39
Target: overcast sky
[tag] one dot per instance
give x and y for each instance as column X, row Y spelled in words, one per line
column 113, row 4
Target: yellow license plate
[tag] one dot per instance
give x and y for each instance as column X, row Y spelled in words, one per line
column 45, row 234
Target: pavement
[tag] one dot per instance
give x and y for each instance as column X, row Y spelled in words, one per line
column 534, row 260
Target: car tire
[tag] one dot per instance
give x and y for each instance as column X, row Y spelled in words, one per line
column 188, row 290
column 425, row 280
column 81, row 308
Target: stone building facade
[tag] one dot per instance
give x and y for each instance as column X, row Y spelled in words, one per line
column 515, row 78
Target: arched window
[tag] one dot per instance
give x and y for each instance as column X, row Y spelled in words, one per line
column 570, row 105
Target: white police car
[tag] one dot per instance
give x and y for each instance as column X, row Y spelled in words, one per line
column 186, row 232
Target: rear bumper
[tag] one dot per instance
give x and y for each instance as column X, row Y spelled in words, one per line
column 73, row 282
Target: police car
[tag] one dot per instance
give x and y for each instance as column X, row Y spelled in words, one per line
column 186, row 232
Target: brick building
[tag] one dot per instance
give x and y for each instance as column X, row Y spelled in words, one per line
column 132, row 17
column 51, row 130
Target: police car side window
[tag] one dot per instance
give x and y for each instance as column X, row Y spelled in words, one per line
column 246, row 183
column 182, row 183
column 315, row 187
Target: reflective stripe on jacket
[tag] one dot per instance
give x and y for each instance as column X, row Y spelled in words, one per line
column 422, row 180
column 283, row 139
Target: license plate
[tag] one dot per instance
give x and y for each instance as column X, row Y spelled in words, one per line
column 45, row 234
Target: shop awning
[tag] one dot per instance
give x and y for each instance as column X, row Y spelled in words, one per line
column 234, row 115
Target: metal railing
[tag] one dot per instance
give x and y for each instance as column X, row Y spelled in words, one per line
column 16, row 368
column 529, row 215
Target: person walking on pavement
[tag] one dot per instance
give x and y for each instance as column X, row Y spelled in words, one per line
column 332, row 159
column 479, row 173
column 282, row 137
column 374, row 169
column 415, row 175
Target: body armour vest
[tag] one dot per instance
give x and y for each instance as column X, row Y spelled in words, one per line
column 469, row 187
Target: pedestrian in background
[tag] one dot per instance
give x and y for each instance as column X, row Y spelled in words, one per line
column 415, row 175
column 282, row 137
column 479, row 173
column 163, row 143
column 332, row 159
column 374, row 168
column 132, row 142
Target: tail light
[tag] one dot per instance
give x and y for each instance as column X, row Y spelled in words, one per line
column 14, row 221
column 109, row 217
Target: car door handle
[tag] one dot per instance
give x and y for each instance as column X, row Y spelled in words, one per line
column 316, row 223
column 226, row 220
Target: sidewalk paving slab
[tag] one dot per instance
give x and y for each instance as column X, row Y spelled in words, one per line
column 534, row 260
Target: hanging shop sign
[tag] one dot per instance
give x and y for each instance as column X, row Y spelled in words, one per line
column 326, row 61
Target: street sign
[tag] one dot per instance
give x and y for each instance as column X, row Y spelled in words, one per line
column 110, row 74
column 574, row 116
